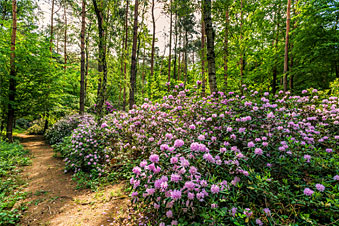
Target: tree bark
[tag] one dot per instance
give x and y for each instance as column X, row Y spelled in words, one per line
column 226, row 48
column 241, row 48
column 102, row 65
column 153, row 41
column 12, row 78
column 134, row 60
column 65, row 38
column 52, row 29
column 170, row 48
column 288, row 20
column 210, row 46
column 125, row 57
column 203, row 85
column 175, row 45
column 82, row 47
column 185, row 59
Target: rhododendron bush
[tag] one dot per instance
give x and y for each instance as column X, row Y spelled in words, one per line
column 225, row 159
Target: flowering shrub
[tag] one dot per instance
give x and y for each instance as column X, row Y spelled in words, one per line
column 224, row 159
column 64, row 127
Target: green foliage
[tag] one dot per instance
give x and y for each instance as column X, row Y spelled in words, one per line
column 12, row 156
column 37, row 127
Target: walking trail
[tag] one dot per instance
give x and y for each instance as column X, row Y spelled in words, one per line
column 53, row 198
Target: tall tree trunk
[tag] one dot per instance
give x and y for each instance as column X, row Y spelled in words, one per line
column 153, row 41
column 275, row 45
column 203, row 85
column 288, row 20
column 82, row 47
column 65, row 38
column 143, row 71
column 291, row 85
column 241, row 48
column 210, row 46
column 12, row 78
column 52, row 20
column 186, row 49
column 87, row 59
column 134, row 59
column 170, row 48
column 226, row 47
column 102, row 65
column 125, row 56
column 175, row 44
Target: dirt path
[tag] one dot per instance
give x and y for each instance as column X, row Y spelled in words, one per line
column 53, row 199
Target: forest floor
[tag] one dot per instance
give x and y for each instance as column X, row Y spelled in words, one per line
column 53, row 198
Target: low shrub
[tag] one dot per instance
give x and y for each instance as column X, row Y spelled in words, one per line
column 11, row 156
column 64, row 127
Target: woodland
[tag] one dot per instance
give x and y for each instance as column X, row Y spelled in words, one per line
column 209, row 112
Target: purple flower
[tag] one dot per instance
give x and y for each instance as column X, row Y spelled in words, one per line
column 169, row 214
column 267, row 211
column 258, row 151
column 248, row 212
column 215, row 189
column 250, row 144
column 174, row 160
column 336, row 177
column 201, row 137
column 320, row 187
column 178, row 143
column 213, row 205
column 208, row 157
column 136, row 170
column 103, row 125
column 259, row 222
column 308, row 192
column 307, row 158
column 175, row 178
column 233, row 211
column 329, row 150
column 175, row 195
column 154, row 158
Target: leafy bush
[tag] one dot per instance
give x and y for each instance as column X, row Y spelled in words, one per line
column 64, row 127
column 37, row 127
column 11, row 156
column 224, row 159
column 22, row 123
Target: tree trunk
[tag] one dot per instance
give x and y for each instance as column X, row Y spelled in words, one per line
column 241, row 48
column 291, row 82
column 175, row 45
column 210, row 46
column 153, row 41
column 65, row 38
column 226, row 47
column 102, row 66
column 288, row 20
column 82, row 47
column 134, row 53
column 125, row 56
column 185, row 65
column 87, row 59
column 12, row 78
column 52, row 20
column 275, row 43
column 203, row 85
column 170, row 48
column 143, row 70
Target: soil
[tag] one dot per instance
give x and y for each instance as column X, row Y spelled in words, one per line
column 54, row 200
